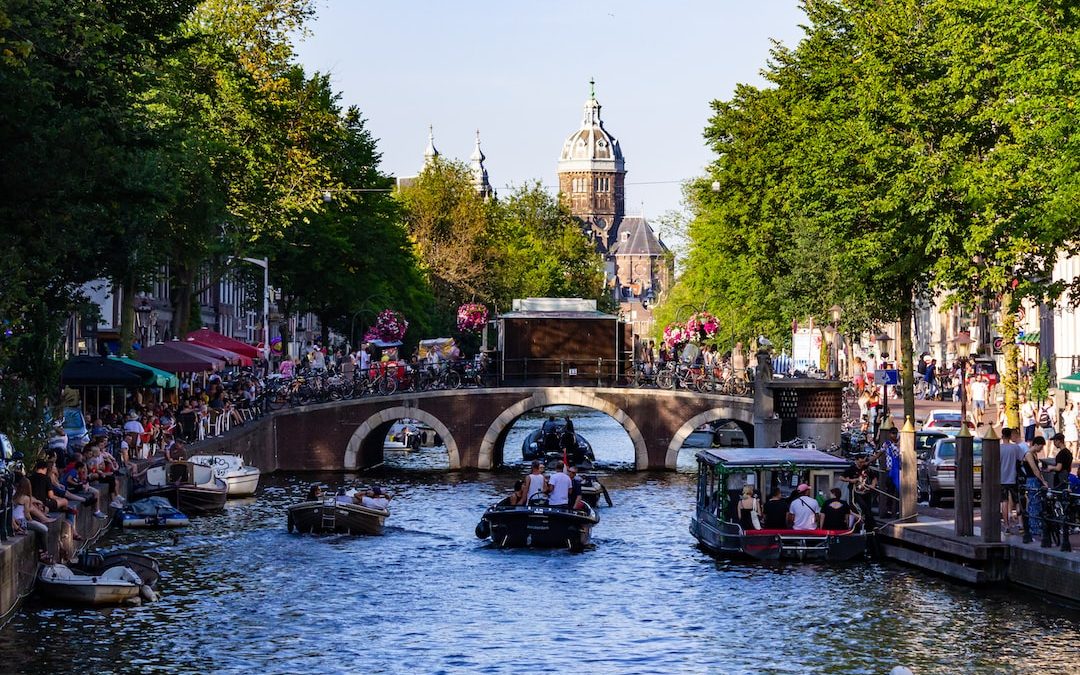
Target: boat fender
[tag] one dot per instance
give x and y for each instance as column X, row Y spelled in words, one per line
column 483, row 529
column 147, row 593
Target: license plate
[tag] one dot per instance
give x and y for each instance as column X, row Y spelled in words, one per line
column 978, row 469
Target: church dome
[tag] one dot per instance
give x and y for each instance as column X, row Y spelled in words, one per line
column 592, row 147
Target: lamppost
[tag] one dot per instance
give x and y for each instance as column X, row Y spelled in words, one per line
column 143, row 312
column 834, row 355
column 882, row 339
column 265, row 264
column 965, row 460
column 962, row 343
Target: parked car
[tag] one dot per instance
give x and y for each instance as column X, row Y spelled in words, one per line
column 988, row 369
column 936, row 472
column 925, row 440
column 947, row 420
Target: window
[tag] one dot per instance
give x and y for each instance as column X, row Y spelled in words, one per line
column 601, row 184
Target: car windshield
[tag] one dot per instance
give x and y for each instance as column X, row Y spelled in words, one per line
column 947, row 449
column 942, row 419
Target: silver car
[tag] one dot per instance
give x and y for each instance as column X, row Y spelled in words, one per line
column 936, row 475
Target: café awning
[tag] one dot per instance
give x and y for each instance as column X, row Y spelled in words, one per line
column 90, row 371
column 205, row 336
column 1070, row 383
column 231, row 358
column 161, row 378
column 173, row 357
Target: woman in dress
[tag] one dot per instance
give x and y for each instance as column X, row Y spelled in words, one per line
column 1068, row 423
column 749, row 510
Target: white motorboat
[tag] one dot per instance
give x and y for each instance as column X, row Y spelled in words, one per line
column 114, row 586
column 242, row 479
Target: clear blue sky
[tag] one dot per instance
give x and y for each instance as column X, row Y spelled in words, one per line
column 519, row 72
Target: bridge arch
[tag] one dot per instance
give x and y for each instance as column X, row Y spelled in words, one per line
column 725, row 413
column 389, row 416
column 496, row 432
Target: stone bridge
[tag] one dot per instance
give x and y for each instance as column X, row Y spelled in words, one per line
column 473, row 423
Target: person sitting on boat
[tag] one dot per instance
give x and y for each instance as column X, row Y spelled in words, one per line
column 804, row 512
column 776, row 510
column 315, row 493
column 575, row 502
column 518, row 495
column 749, row 509
column 551, row 440
column 559, row 488
column 837, row 513
column 535, row 482
column 376, row 498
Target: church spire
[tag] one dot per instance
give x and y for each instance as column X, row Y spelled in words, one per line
column 430, row 153
column 479, row 173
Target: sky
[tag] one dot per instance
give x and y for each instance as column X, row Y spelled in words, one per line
column 519, row 72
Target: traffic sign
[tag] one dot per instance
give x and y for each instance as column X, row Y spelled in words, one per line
column 890, row 377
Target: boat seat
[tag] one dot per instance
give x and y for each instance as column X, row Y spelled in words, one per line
column 794, row 533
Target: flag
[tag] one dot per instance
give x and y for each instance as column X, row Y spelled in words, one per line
column 892, row 462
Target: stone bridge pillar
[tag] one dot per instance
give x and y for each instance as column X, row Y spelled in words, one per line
column 766, row 422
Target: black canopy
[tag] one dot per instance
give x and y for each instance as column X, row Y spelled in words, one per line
column 82, row 371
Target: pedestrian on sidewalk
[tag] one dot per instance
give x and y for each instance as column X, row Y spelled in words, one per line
column 1027, row 418
column 1069, row 429
column 1031, row 472
column 1047, row 418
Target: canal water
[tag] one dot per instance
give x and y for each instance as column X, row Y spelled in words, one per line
column 241, row 595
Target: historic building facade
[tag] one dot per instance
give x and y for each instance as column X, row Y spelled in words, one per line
column 592, row 182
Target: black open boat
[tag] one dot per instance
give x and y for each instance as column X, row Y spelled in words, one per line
column 537, row 524
column 191, row 488
column 329, row 514
column 722, row 472
column 545, row 444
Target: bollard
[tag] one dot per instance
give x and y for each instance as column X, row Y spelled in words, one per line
column 964, row 485
column 990, row 503
column 908, row 463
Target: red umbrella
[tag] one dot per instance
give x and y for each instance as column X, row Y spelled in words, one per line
column 171, row 356
column 209, row 338
column 232, row 358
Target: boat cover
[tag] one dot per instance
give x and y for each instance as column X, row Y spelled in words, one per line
column 151, row 506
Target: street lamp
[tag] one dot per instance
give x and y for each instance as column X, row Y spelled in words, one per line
column 882, row 339
column 962, row 343
column 834, row 355
column 143, row 312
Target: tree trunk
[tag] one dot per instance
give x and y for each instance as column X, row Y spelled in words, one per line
column 183, row 281
column 285, row 310
column 127, row 314
column 907, row 370
column 1011, row 378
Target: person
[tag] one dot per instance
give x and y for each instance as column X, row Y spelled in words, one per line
column 58, row 443
column 517, row 497
column 1031, row 472
column 559, row 488
column 535, row 482
column 568, row 442
column 749, row 509
column 931, row 379
column 776, row 510
column 979, row 388
column 1046, row 418
column 575, row 500
column 174, row 451
column 1027, row 418
column 376, row 498
column 804, row 512
column 315, row 493
column 1011, row 456
column 28, row 514
column 1069, row 428
column 861, row 482
column 1063, row 461
column 836, row 513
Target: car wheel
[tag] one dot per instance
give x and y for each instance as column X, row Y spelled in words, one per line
column 933, row 497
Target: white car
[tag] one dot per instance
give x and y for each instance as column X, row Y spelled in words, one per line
column 943, row 420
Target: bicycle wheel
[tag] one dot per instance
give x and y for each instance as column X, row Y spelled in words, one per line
column 665, row 379
column 453, row 380
column 276, row 400
column 387, row 385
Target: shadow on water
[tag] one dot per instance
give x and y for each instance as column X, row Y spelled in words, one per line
column 240, row 594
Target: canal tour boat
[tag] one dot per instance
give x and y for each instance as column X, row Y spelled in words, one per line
column 722, row 473
column 537, row 524
column 335, row 514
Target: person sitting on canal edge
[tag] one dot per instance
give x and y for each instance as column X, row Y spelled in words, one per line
column 837, row 513
column 559, row 488
column 776, row 510
column 804, row 512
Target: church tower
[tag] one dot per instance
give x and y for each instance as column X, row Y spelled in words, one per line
column 592, row 175
column 479, row 173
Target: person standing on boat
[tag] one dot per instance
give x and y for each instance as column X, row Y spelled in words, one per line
column 749, row 510
column 776, row 510
column 575, row 488
column 559, row 488
column 535, row 482
column 804, row 512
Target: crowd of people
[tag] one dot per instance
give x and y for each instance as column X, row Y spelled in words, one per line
column 561, row 489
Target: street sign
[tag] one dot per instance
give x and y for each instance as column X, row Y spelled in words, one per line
column 890, row 377
column 998, row 344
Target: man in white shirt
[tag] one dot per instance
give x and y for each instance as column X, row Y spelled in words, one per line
column 803, row 514
column 559, row 488
column 376, row 499
column 133, row 425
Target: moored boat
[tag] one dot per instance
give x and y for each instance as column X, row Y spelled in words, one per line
column 152, row 512
column 334, row 514
column 191, row 488
column 722, row 473
column 241, row 479
column 96, row 564
column 537, row 524
column 114, row 586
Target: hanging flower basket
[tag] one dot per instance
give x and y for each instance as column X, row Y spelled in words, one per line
column 675, row 335
column 471, row 317
column 701, row 327
column 390, row 326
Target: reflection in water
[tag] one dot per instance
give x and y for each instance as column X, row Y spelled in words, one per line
column 239, row 594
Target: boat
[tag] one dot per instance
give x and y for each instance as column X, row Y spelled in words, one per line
column 722, row 473
column 537, row 524
column 335, row 513
column 191, row 488
column 242, row 480
column 152, row 512
column 592, row 490
column 95, row 564
column 407, row 435
column 114, row 586
column 539, row 445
